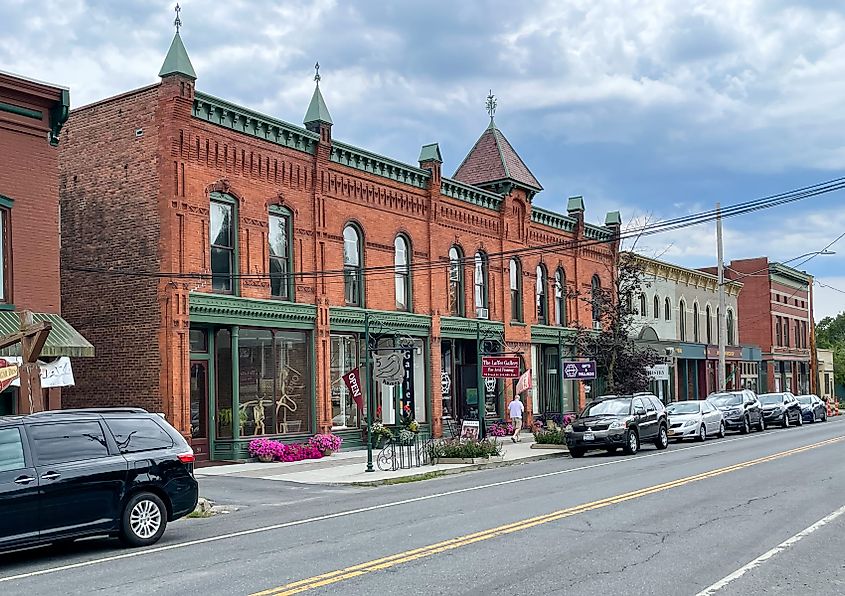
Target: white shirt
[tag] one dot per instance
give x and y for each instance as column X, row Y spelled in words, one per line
column 516, row 408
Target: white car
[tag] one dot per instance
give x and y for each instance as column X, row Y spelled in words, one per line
column 694, row 420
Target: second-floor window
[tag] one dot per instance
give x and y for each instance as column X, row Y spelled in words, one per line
column 778, row 332
column 695, row 333
column 786, row 332
column 643, row 312
column 682, row 320
column 222, row 237
column 542, row 299
column 516, row 290
column 560, row 298
column 456, row 282
column 667, row 310
column 279, row 252
column 596, row 298
column 402, row 265
column 730, row 327
column 353, row 282
column 480, row 281
column 656, row 307
column 5, row 257
column 708, row 324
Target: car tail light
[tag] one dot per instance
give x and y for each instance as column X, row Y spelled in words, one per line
column 186, row 458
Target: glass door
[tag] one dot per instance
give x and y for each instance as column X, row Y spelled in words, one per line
column 199, row 409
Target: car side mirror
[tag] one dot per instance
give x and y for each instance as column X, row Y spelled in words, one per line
column 639, row 411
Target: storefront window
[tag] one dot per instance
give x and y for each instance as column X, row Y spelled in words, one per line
column 199, row 340
column 344, row 358
column 223, row 393
column 256, row 376
column 293, row 382
column 419, row 380
column 446, row 381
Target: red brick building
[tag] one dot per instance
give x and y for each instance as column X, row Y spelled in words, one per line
column 227, row 265
column 776, row 313
column 31, row 115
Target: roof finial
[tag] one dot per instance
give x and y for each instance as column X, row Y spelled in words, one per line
column 491, row 105
column 317, row 73
column 178, row 21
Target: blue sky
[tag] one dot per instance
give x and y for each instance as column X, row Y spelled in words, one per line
column 656, row 108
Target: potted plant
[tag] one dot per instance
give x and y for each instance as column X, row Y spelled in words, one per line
column 266, row 450
column 326, row 443
column 551, row 434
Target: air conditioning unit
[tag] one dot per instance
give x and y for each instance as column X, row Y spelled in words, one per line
column 597, row 325
column 482, row 313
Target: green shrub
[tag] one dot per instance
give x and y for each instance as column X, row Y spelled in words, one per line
column 550, row 437
column 465, row 448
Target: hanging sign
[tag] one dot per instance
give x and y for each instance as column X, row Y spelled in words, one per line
column 388, row 369
column 8, row 373
column 445, row 383
column 579, row 371
column 658, row 372
column 353, row 383
column 57, row 373
column 408, row 381
column 500, row 367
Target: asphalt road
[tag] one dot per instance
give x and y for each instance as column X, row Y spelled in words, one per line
column 757, row 514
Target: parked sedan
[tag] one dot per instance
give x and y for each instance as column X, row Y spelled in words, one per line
column 813, row 409
column 741, row 410
column 694, row 420
column 781, row 408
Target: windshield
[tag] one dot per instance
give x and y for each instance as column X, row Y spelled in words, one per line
column 767, row 399
column 610, row 407
column 805, row 400
column 726, row 399
column 684, row 408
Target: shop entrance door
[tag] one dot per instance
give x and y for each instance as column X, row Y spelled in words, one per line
column 199, row 409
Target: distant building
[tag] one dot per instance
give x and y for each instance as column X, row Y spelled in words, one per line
column 31, row 115
column 827, row 384
column 677, row 315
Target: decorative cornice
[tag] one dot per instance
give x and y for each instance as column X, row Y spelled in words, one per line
column 378, row 165
column 548, row 334
column 459, row 327
column 594, row 232
column 552, row 219
column 691, row 277
column 344, row 318
column 789, row 276
column 233, row 310
column 470, row 194
column 228, row 115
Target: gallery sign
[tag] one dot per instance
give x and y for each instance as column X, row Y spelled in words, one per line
column 500, row 367
column 579, row 370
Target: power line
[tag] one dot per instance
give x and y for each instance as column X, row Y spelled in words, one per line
column 568, row 245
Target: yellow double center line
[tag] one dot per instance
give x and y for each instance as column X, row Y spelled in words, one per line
column 340, row 575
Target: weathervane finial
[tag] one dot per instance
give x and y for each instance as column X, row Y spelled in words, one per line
column 317, row 73
column 177, row 21
column 491, row 104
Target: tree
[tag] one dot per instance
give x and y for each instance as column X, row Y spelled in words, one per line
column 830, row 334
column 618, row 358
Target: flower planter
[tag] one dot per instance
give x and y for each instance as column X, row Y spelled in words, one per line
column 471, row 460
column 327, row 452
column 549, row 446
column 265, row 459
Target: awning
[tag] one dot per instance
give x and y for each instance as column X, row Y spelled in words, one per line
column 63, row 340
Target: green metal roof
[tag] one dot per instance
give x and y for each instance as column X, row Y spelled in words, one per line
column 63, row 340
column 317, row 109
column 430, row 152
column 177, row 61
column 575, row 204
column 613, row 218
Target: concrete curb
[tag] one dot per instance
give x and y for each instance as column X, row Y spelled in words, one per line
column 422, row 476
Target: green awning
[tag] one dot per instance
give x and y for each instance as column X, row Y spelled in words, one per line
column 63, row 340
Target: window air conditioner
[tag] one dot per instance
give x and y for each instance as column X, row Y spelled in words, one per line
column 597, row 325
column 482, row 313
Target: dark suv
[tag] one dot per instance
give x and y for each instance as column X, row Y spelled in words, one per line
column 70, row 473
column 741, row 410
column 615, row 421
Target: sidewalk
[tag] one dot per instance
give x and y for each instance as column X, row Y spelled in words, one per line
column 348, row 467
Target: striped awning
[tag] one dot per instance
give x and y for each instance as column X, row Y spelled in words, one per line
column 63, row 340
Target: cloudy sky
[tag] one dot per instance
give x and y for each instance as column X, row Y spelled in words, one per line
column 657, row 108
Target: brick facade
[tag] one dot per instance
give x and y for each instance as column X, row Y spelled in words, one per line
column 140, row 203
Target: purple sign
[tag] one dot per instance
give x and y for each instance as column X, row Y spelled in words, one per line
column 579, row 371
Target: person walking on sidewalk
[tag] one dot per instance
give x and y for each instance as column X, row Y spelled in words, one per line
column 516, row 409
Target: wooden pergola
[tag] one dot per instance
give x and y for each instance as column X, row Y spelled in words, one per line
column 32, row 337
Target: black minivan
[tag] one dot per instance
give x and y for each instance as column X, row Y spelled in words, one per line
column 66, row 474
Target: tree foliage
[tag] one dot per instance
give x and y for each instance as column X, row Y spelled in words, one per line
column 830, row 334
column 618, row 358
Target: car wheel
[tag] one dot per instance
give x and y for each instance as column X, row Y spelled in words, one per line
column 721, row 434
column 632, row 443
column 762, row 426
column 824, row 416
column 746, row 426
column 576, row 453
column 702, row 434
column 800, row 420
column 785, row 422
column 662, row 440
column 144, row 520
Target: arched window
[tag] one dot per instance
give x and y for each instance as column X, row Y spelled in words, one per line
column 708, row 324
column 223, row 234
column 682, row 319
column 353, row 281
column 456, row 281
column 279, row 244
column 479, row 279
column 516, row 290
column 542, row 297
column 730, row 327
column 402, row 264
column 667, row 310
column 695, row 330
column 656, row 307
column 596, row 298
column 643, row 311
column 560, row 298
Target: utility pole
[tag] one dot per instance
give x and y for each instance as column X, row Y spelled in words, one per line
column 723, row 331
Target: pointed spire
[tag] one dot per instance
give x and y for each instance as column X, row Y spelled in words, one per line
column 491, row 107
column 177, row 61
column 317, row 109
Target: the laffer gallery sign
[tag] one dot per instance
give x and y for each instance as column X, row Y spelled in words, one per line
column 53, row 374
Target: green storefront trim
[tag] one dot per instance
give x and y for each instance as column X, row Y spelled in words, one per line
column 350, row 319
column 548, row 334
column 462, row 328
column 224, row 310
